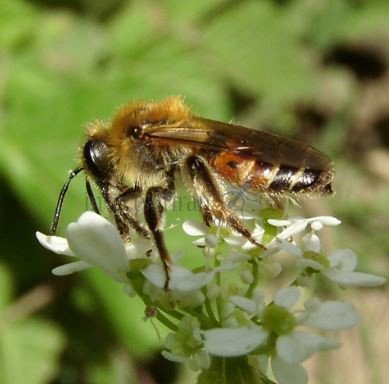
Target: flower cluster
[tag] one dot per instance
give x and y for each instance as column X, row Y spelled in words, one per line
column 225, row 310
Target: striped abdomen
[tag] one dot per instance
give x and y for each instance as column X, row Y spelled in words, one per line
column 261, row 176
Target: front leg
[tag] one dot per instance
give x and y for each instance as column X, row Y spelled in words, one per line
column 118, row 207
column 91, row 196
column 124, row 220
column 120, row 203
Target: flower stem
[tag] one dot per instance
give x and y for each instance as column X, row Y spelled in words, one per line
column 233, row 370
column 219, row 301
column 165, row 321
column 255, row 281
column 210, row 313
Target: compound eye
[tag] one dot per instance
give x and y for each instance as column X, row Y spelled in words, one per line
column 135, row 132
column 96, row 159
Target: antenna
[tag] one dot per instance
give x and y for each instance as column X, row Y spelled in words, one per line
column 61, row 197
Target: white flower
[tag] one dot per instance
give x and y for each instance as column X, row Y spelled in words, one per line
column 187, row 344
column 95, row 241
column 341, row 270
column 219, row 309
column 338, row 267
column 299, row 224
column 294, row 347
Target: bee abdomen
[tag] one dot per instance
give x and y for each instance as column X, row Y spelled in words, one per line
column 266, row 177
column 301, row 180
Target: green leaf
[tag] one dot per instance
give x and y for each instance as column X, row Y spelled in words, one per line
column 367, row 21
column 13, row 34
column 255, row 47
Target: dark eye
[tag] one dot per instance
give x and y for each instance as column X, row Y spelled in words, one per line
column 96, row 159
column 135, row 132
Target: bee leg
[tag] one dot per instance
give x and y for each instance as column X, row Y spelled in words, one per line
column 130, row 193
column 120, row 202
column 211, row 198
column 153, row 212
column 116, row 210
column 124, row 220
column 154, row 216
column 207, row 214
column 91, row 196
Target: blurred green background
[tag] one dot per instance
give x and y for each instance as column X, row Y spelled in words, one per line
column 315, row 70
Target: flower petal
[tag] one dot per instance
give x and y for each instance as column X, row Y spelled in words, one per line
column 311, row 242
column 291, row 350
column 211, row 240
column 68, row 269
column 181, row 279
column 200, row 242
column 96, row 241
column 235, row 241
column 138, row 247
column 279, row 223
column 295, row 228
column 298, row 346
column 287, row 297
column 289, row 247
column 344, row 260
column 354, row 279
column 308, row 263
column 316, row 225
column 247, row 305
column 329, row 221
column 174, row 358
column 228, row 342
column 194, row 228
column 332, row 316
column 286, row 373
column 54, row 244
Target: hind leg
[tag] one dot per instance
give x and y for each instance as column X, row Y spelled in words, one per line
column 212, row 202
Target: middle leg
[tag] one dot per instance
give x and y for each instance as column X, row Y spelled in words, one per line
column 154, row 216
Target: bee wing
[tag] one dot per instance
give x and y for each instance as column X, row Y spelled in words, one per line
column 248, row 143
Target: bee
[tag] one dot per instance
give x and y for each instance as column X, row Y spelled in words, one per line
column 148, row 146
